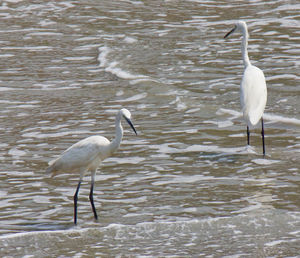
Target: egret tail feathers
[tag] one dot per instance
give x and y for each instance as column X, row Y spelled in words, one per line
column 52, row 168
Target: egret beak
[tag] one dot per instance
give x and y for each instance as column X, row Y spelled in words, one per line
column 230, row 32
column 131, row 124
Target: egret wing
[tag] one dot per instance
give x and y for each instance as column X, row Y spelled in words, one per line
column 81, row 155
column 253, row 94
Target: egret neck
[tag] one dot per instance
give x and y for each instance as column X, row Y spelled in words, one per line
column 244, row 47
column 119, row 134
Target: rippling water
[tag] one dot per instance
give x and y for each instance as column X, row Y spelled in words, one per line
column 186, row 185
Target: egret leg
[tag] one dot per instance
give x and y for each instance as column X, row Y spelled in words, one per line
column 263, row 136
column 75, row 202
column 248, row 135
column 92, row 198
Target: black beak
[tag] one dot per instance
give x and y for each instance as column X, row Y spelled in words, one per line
column 230, row 32
column 131, row 124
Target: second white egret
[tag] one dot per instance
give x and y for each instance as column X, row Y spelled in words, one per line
column 253, row 88
column 86, row 156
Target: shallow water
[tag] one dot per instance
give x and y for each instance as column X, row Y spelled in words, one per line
column 187, row 185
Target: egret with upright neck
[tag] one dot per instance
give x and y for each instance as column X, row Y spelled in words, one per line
column 86, row 156
column 253, row 89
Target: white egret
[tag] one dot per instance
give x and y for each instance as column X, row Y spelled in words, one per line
column 253, row 89
column 86, row 155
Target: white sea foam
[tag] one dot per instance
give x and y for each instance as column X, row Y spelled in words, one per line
column 264, row 219
column 274, row 243
column 135, row 97
column 166, row 149
column 273, row 228
column 130, row 40
column 265, row 161
column 267, row 117
column 114, row 68
column 281, row 119
column 217, row 149
column 180, row 105
column 182, row 180
column 102, row 57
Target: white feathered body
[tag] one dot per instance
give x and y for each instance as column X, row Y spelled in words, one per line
column 253, row 95
column 85, row 155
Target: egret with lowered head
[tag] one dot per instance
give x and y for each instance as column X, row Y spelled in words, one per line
column 87, row 154
column 253, row 89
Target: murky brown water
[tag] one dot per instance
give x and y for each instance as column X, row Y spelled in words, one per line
column 186, row 185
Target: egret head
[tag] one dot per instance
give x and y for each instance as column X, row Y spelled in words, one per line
column 127, row 116
column 239, row 26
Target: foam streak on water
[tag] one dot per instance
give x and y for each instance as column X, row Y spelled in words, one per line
column 112, row 66
column 191, row 237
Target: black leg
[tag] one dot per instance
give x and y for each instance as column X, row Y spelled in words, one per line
column 92, row 199
column 75, row 202
column 263, row 136
column 248, row 135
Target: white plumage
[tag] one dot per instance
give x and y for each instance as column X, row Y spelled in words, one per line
column 83, row 156
column 253, row 94
column 86, row 156
column 253, row 89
